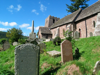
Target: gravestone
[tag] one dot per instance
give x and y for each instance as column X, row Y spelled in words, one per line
column 97, row 27
column 91, row 34
column 66, row 51
column 42, row 47
column 6, row 45
column 15, row 43
column 27, row 59
column 76, row 35
column 96, row 67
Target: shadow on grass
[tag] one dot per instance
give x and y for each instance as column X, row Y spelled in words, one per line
column 76, row 57
column 6, row 72
column 51, row 71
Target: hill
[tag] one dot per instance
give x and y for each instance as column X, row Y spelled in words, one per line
column 89, row 49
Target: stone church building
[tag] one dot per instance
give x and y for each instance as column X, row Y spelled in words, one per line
column 82, row 21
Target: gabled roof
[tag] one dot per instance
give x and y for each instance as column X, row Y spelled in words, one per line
column 66, row 19
column 93, row 9
column 45, row 30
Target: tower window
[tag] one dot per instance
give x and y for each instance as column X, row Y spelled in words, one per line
column 94, row 23
column 53, row 20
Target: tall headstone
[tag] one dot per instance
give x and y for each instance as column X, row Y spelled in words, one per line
column 97, row 27
column 66, row 51
column 6, row 45
column 27, row 59
column 32, row 34
column 76, row 35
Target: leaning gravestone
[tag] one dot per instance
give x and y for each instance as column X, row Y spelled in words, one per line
column 6, row 45
column 96, row 68
column 15, row 43
column 42, row 47
column 27, row 59
column 66, row 51
column 97, row 27
column 76, row 35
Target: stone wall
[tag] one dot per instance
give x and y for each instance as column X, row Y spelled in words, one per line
column 49, row 20
column 61, row 28
column 90, row 26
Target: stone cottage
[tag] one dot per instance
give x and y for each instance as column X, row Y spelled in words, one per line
column 83, row 21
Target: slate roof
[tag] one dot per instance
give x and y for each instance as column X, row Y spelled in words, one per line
column 66, row 19
column 93, row 9
column 78, row 15
column 45, row 30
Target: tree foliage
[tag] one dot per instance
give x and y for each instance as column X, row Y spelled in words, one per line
column 14, row 34
column 76, row 4
column 2, row 34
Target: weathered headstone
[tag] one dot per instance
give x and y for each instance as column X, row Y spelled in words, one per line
column 42, row 47
column 91, row 34
column 27, row 59
column 15, row 43
column 96, row 67
column 76, row 35
column 6, row 45
column 66, row 51
column 97, row 27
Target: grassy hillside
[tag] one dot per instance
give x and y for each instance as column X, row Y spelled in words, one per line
column 89, row 49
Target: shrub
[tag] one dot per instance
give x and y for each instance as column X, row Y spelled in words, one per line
column 57, row 41
column 21, row 41
column 3, row 40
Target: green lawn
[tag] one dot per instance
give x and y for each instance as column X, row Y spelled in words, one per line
column 89, row 49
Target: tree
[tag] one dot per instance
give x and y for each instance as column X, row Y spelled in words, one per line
column 14, row 34
column 76, row 4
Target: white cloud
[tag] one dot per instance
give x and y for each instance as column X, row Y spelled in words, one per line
column 43, row 8
column 35, row 12
column 3, row 29
column 18, row 7
column 24, row 25
column 35, row 28
column 4, row 23
column 11, row 8
column 12, row 23
column 29, row 28
column 8, row 24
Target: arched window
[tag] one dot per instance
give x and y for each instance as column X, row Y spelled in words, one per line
column 94, row 23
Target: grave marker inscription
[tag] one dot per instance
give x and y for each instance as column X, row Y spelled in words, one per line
column 27, row 59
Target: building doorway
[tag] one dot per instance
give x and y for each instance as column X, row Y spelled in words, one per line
column 79, row 32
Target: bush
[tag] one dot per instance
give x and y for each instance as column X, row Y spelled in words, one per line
column 3, row 40
column 57, row 41
column 21, row 41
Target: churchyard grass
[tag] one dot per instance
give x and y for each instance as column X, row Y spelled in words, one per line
column 89, row 49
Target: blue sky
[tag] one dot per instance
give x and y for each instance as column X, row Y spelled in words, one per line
column 20, row 13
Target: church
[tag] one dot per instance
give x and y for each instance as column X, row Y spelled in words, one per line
column 82, row 21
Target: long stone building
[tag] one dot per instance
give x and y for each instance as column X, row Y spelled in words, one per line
column 83, row 21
